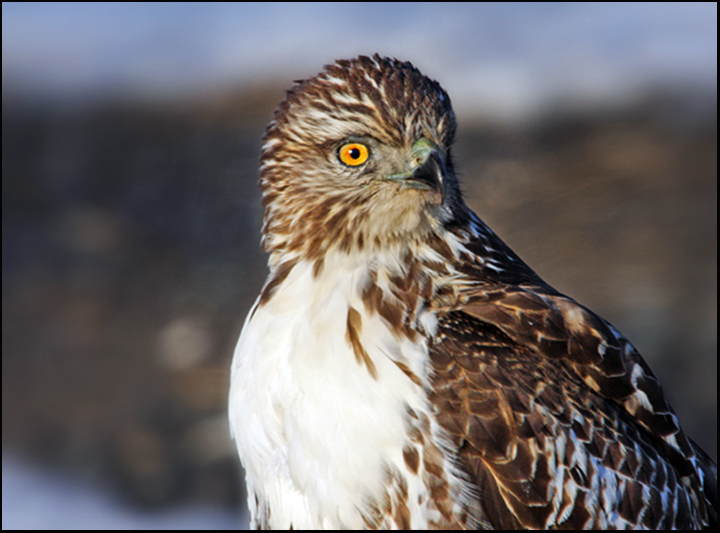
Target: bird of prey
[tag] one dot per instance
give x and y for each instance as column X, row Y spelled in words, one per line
column 403, row 368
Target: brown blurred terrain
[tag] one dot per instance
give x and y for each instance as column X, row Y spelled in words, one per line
column 131, row 256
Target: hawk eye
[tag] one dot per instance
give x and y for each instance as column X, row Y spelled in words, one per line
column 353, row 154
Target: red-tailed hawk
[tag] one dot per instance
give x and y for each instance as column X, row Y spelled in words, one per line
column 403, row 368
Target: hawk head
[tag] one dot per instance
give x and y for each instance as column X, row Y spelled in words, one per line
column 358, row 158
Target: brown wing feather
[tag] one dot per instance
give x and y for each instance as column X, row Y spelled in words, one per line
column 557, row 327
column 558, row 419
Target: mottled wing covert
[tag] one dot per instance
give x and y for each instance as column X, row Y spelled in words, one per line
column 557, row 418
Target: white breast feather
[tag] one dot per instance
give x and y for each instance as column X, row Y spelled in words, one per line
column 314, row 430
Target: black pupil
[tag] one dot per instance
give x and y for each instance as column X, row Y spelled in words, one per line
column 354, row 153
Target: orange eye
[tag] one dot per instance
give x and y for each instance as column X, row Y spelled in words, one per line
column 353, row 154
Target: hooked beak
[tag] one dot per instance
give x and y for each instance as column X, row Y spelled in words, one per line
column 429, row 174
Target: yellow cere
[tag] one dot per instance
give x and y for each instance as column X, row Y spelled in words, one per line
column 353, row 154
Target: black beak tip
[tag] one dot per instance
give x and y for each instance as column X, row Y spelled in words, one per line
column 430, row 172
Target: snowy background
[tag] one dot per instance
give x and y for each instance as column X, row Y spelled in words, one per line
column 509, row 58
column 35, row 498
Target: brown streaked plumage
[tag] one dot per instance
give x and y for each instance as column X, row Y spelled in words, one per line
column 403, row 368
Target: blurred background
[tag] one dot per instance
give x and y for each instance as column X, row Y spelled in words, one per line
column 131, row 214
